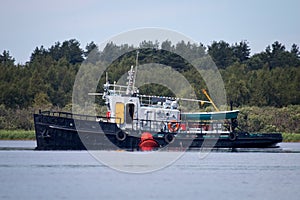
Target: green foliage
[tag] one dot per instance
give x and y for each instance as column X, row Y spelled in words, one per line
column 69, row 50
column 12, row 119
column 291, row 137
column 16, row 135
column 269, row 78
column 270, row 119
column 6, row 58
column 221, row 53
column 41, row 100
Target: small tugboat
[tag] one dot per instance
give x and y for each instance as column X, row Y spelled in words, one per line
column 138, row 122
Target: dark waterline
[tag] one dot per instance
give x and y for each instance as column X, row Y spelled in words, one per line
column 27, row 174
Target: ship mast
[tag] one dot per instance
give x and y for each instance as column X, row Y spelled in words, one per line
column 132, row 76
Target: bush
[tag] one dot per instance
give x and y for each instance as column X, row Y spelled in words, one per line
column 270, row 119
column 14, row 119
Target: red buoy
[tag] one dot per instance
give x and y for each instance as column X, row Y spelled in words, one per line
column 147, row 142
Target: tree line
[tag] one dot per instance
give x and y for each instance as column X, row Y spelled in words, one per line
column 269, row 78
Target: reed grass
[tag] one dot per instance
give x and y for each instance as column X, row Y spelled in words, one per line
column 17, row 135
column 291, row 137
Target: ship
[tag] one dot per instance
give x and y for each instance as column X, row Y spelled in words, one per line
column 138, row 122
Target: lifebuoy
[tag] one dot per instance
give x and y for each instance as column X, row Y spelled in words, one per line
column 121, row 136
column 173, row 126
column 169, row 138
column 232, row 136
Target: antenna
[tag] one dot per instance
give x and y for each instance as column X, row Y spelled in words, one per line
column 136, row 65
column 106, row 77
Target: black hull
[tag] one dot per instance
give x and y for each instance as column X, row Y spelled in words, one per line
column 62, row 132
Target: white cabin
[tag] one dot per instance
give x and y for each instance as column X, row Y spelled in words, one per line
column 139, row 112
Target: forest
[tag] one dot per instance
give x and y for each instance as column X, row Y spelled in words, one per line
column 265, row 86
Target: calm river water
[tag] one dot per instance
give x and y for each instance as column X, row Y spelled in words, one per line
column 64, row 175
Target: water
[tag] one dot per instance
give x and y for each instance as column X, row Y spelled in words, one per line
column 28, row 174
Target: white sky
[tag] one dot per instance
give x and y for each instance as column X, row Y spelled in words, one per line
column 26, row 24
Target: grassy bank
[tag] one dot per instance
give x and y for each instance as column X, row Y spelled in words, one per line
column 291, row 137
column 17, row 135
column 30, row 135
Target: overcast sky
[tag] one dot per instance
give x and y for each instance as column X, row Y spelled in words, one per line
column 26, row 24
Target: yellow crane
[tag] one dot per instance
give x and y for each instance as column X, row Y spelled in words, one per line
column 210, row 100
